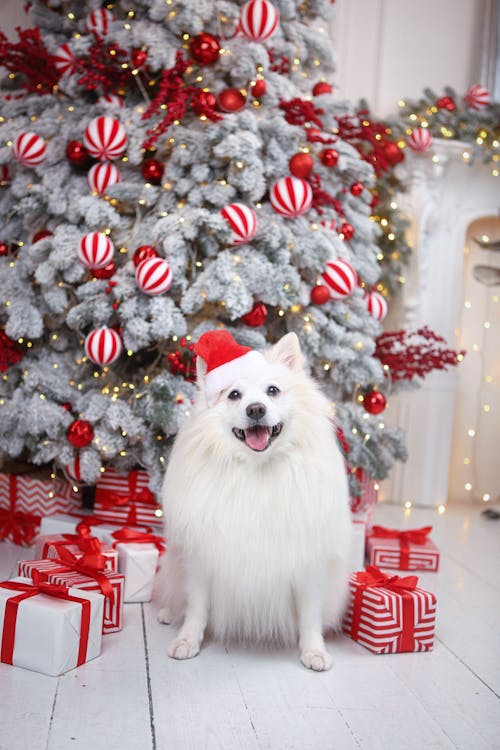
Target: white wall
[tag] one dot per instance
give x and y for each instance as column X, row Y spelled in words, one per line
column 12, row 14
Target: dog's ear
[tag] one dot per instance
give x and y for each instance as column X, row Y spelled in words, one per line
column 287, row 352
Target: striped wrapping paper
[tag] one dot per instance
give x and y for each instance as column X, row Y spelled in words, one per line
column 39, row 496
column 113, row 611
column 48, row 546
column 388, row 619
column 400, row 553
column 126, row 499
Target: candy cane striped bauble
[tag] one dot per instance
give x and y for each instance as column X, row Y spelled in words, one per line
column 291, row 196
column 259, row 19
column 376, row 305
column 102, row 176
column 340, row 278
column 73, row 469
column 153, row 276
column 64, row 60
column 242, row 221
column 96, row 250
column 420, row 139
column 477, row 97
column 99, row 20
column 113, row 99
column 103, row 346
column 105, row 138
column 29, row 149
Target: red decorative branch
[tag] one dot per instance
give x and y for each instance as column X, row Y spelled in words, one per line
column 299, row 112
column 414, row 354
column 101, row 69
column 30, row 59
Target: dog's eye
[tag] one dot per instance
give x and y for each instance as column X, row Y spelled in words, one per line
column 273, row 390
column 234, row 395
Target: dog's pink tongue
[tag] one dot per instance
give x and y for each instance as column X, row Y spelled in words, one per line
column 257, row 438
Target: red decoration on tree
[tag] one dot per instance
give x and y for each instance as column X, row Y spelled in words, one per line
column 4, row 249
column 259, row 20
column 231, row 100
column 139, row 57
column 40, row 235
column 106, row 272
column 80, row 433
column 153, row 276
column 98, row 21
column 152, row 171
column 301, row 165
column 299, row 112
column 144, row 252
column 320, row 294
column 77, row 154
column 204, row 48
column 393, row 153
column 30, row 60
column 415, row 354
column 67, row 406
column 64, row 60
column 10, row 351
column 29, row 149
column 257, row 315
column 5, row 177
column 374, row 402
column 420, row 140
column 101, row 68
column 291, row 196
column 446, row 102
column 356, row 188
column 182, row 361
column 322, row 87
column 103, row 346
column 279, row 65
column 477, row 97
column 105, row 138
column 314, row 135
column 102, row 176
column 259, row 88
column 95, row 250
column 204, row 103
column 329, row 157
column 347, row 230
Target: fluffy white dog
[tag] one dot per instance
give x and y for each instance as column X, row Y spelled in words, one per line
column 256, row 506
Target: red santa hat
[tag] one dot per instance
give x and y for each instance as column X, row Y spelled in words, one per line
column 226, row 361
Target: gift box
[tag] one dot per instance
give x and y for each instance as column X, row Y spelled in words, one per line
column 25, row 498
column 48, row 628
column 389, row 614
column 126, row 499
column 51, row 545
column 78, row 574
column 138, row 555
column 72, row 523
column 402, row 550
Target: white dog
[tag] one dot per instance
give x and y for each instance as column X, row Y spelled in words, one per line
column 256, row 506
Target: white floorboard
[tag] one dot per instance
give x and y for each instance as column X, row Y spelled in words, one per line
column 134, row 697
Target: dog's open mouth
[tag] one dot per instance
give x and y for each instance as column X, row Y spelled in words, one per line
column 258, row 437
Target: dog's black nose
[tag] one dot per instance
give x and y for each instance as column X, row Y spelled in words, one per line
column 256, row 411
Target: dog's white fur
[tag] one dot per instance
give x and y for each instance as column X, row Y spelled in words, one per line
column 257, row 542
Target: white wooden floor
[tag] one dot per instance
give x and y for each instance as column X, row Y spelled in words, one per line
column 134, row 697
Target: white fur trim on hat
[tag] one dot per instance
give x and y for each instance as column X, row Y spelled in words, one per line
column 222, row 377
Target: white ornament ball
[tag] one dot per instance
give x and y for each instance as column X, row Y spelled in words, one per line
column 105, row 138
column 340, row 278
column 376, row 305
column 102, row 176
column 29, row 149
column 96, row 250
column 99, row 20
column 243, row 221
column 291, row 196
column 259, row 20
column 153, row 276
column 64, row 60
column 112, row 99
column 103, row 346
column 477, row 97
column 420, row 139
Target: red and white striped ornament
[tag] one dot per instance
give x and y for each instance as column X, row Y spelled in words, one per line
column 259, row 20
column 153, row 276
column 477, row 97
column 29, row 149
column 96, row 250
column 102, row 176
column 376, row 305
column 103, row 346
column 113, row 99
column 64, row 60
column 291, row 196
column 105, row 138
column 99, row 20
column 340, row 278
column 420, row 139
column 242, row 220
column 73, row 469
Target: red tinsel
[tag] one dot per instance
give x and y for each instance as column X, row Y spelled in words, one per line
column 299, row 112
column 10, row 352
column 322, row 198
column 414, row 354
column 371, row 139
column 30, row 59
column 101, row 69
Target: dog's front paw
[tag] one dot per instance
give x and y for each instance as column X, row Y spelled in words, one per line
column 318, row 659
column 183, row 648
column 165, row 616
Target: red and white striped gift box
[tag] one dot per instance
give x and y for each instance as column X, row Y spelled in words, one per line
column 49, row 546
column 126, row 499
column 40, row 496
column 58, row 573
column 389, row 614
column 397, row 549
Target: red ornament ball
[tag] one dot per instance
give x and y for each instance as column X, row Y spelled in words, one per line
column 393, row 153
column 356, row 188
column 152, row 171
column 320, row 294
column 347, row 230
column 446, row 102
column 322, row 87
column 139, row 57
column 374, row 402
column 204, row 48
column 4, row 249
column 329, row 157
column 77, row 154
column 106, row 272
column 301, row 165
column 257, row 315
column 67, row 406
column 231, row 100
column 80, row 433
column 203, row 102
column 144, row 252
column 40, row 235
column 259, row 88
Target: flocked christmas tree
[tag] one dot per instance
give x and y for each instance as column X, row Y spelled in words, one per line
column 170, row 166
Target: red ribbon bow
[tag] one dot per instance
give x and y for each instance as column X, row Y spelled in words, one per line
column 143, row 496
column 89, row 565
column 126, row 536
column 26, row 590
column 373, row 577
column 19, row 527
column 411, row 536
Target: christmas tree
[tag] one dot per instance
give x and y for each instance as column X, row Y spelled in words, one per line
column 167, row 167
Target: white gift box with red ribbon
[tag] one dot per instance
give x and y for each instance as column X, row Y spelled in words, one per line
column 126, row 499
column 138, row 555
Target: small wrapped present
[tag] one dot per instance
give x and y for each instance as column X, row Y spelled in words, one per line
column 79, row 544
column 126, row 499
column 402, row 550
column 78, row 523
column 138, row 554
column 389, row 614
column 48, row 628
column 85, row 574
